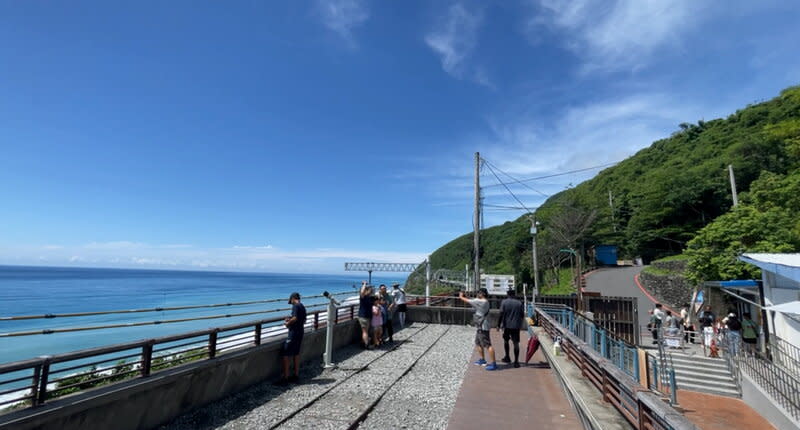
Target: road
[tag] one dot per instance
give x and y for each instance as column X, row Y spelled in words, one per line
column 619, row 281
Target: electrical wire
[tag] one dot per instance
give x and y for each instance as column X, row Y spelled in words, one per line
column 520, row 181
column 507, row 189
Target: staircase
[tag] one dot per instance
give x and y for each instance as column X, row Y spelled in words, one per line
column 707, row 375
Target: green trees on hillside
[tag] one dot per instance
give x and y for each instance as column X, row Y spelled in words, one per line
column 675, row 196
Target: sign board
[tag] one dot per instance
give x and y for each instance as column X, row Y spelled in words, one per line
column 497, row 285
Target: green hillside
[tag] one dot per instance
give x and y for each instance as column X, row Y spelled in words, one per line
column 663, row 195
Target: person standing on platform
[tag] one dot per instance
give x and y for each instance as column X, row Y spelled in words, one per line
column 656, row 321
column 388, row 325
column 481, row 321
column 400, row 301
column 295, row 325
column 749, row 333
column 365, row 302
column 377, row 321
column 512, row 313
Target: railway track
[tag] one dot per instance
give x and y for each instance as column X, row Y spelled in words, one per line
column 329, row 399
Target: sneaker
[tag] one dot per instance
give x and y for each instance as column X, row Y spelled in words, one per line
column 282, row 382
column 480, row 362
column 516, row 365
column 492, row 366
column 294, row 378
column 506, row 360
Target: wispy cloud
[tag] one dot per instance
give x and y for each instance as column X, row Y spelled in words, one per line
column 619, row 34
column 236, row 257
column 525, row 145
column 342, row 17
column 454, row 40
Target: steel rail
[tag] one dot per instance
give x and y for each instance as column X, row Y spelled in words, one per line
column 158, row 309
column 145, row 323
column 356, row 371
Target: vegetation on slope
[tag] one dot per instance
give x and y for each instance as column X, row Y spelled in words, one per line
column 664, row 195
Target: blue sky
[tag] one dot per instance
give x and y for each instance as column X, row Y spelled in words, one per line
column 294, row 136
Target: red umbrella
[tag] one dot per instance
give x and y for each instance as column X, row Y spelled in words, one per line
column 533, row 345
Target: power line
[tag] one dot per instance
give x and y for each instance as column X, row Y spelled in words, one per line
column 520, row 181
column 506, row 187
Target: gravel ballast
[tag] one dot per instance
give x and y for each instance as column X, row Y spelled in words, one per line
column 423, row 398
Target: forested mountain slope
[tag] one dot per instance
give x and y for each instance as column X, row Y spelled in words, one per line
column 664, row 195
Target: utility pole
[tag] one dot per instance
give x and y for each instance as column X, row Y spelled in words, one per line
column 733, row 186
column 535, row 264
column 611, row 204
column 477, row 223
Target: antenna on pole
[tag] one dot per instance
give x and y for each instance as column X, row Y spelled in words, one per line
column 476, row 221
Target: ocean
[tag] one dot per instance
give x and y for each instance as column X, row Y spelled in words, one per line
column 52, row 290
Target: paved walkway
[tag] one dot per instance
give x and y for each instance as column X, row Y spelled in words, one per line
column 710, row 412
column 512, row 398
column 619, row 281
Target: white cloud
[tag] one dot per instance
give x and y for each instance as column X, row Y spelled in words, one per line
column 342, row 16
column 249, row 258
column 454, row 41
column 526, row 145
column 619, row 34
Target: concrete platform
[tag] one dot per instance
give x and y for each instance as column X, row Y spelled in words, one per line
column 512, row 397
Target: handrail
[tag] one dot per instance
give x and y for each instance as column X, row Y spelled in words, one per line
column 642, row 409
column 156, row 309
column 145, row 323
column 207, row 344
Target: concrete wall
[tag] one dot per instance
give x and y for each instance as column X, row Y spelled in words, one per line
column 442, row 315
column 148, row 402
column 766, row 407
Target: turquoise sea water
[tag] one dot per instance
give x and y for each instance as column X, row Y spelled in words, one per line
column 45, row 290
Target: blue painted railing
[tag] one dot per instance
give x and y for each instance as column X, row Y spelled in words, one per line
column 625, row 356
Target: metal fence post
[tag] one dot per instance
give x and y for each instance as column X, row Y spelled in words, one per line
column 316, row 320
column 45, row 375
column 257, row 340
column 603, row 348
column 594, row 337
column 636, row 365
column 147, row 357
column 212, row 344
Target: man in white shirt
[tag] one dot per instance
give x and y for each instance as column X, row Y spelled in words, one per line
column 400, row 300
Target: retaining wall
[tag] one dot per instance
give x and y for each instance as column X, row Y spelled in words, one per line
column 146, row 403
column 447, row 315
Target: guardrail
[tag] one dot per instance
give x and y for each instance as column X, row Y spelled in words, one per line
column 31, row 383
column 624, row 355
column 641, row 408
column 773, row 376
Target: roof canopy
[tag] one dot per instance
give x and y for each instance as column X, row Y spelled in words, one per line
column 786, row 265
column 786, row 308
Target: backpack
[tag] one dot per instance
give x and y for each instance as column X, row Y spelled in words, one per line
column 734, row 324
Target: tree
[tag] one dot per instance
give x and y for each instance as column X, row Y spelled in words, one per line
column 713, row 253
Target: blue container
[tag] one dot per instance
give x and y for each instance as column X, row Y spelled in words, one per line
column 606, row 255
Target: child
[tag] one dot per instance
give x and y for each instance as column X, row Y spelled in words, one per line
column 377, row 321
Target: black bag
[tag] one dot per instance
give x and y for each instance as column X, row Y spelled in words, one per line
column 734, row 324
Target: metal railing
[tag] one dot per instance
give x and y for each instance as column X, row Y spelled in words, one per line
column 622, row 354
column 33, row 382
column 641, row 408
column 785, row 354
column 783, row 386
column 779, row 382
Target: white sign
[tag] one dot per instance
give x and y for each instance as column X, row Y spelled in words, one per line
column 497, row 285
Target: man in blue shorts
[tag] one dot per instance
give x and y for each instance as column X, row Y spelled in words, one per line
column 295, row 325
